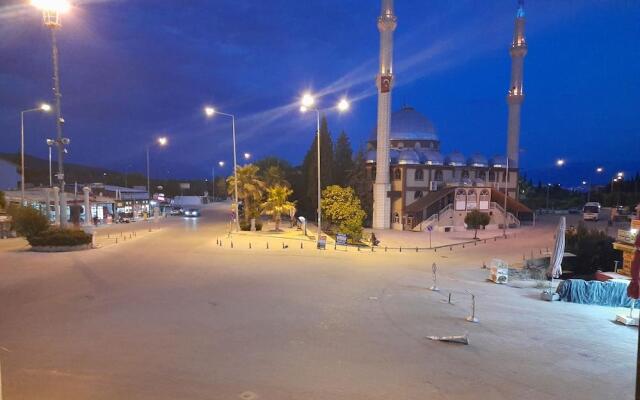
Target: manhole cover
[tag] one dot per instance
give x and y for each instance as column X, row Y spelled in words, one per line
column 248, row 396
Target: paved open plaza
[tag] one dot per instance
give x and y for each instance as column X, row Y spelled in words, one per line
column 170, row 314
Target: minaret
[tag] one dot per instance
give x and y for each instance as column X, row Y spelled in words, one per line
column 387, row 23
column 515, row 97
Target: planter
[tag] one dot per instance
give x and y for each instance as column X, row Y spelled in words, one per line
column 61, row 249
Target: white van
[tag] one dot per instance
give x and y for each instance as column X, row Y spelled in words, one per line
column 591, row 211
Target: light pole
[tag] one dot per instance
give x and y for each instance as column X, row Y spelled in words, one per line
column 213, row 179
column 308, row 103
column 161, row 141
column 210, row 112
column 50, row 144
column 506, row 194
column 43, row 107
column 548, row 186
column 51, row 11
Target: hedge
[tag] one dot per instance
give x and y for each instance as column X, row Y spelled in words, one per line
column 60, row 237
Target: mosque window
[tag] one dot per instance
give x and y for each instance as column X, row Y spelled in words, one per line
column 397, row 174
column 396, row 218
column 482, row 175
column 417, row 194
column 492, row 176
column 465, row 174
column 439, row 176
column 419, row 175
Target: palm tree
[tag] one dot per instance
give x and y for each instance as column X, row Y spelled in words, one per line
column 250, row 189
column 277, row 203
column 274, row 175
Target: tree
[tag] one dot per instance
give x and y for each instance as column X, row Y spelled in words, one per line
column 3, row 200
column 361, row 183
column 310, row 168
column 277, row 203
column 28, row 222
column 476, row 220
column 342, row 160
column 274, row 176
column 221, row 187
column 342, row 212
column 250, row 189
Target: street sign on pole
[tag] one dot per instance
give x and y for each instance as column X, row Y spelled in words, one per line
column 430, row 229
column 341, row 239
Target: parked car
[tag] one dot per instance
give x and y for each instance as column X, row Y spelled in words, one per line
column 176, row 211
column 192, row 212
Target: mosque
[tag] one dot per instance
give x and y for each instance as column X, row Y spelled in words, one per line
column 416, row 187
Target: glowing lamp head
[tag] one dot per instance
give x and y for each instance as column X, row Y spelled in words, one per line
column 303, row 109
column 620, row 175
column 45, row 107
column 221, row 163
column 209, row 111
column 343, row 105
column 560, row 162
column 599, row 169
column 247, row 156
column 60, row 6
column 307, row 100
column 584, row 182
column 162, row 141
column 50, row 142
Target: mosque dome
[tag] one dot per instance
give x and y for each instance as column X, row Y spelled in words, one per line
column 409, row 124
column 431, row 157
column 409, row 156
column 499, row 162
column 394, row 154
column 455, row 159
column 478, row 160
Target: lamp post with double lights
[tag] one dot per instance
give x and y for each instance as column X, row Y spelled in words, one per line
column 210, row 112
column 51, row 12
column 161, row 141
column 307, row 103
column 43, row 107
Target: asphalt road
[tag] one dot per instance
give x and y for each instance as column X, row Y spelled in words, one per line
column 170, row 315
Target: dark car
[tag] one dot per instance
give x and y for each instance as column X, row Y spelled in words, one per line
column 192, row 212
column 176, row 211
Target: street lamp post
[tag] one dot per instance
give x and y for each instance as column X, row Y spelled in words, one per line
column 43, row 107
column 506, row 194
column 51, row 11
column 307, row 103
column 161, row 141
column 548, row 186
column 210, row 112
column 50, row 144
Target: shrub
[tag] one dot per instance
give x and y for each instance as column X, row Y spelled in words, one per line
column 246, row 226
column 593, row 249
column 476, row 220
column 28, row 222
column 342, row 211
column 60, row 237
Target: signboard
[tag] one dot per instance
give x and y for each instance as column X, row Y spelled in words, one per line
column 185, row 186
column 627, row 236
column 322, row 243
column 341, row 239
column 385, row 83
column 430, row 228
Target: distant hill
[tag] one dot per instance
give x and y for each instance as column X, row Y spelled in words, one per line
column 37, row 174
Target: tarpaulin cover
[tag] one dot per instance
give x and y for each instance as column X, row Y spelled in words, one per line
column 608, row 293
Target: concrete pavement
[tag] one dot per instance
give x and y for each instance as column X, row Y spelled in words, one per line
column 175, row 316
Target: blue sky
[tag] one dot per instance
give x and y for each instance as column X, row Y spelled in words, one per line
column 132, row 70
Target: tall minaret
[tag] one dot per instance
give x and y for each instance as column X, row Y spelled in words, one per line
column 515, row 97
column 387, row 23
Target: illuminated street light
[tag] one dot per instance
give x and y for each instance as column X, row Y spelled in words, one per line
column 560, row 162
column 51, row 10
column 599, row 169
column 43, row 107
column 161, row 141
column 210, row 112
column 307, row 103
column 247, row 156
column 620, row 174
column 221, row 163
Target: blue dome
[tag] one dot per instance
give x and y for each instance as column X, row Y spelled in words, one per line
column 455, row 159
column 409, row 156
column 499, row 162
column 370, row 157
column 394, row 154
column 478, row 160
column 409, row 124
column 431, row 157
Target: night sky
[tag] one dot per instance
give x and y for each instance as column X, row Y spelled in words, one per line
column 133, row 70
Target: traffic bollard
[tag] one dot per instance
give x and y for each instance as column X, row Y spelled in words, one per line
column 472, row 317
column 434, row 276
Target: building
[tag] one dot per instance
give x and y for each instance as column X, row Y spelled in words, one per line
column 416, row 186
column 9, row 176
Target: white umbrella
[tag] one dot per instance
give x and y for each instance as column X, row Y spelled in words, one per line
column 555, row 262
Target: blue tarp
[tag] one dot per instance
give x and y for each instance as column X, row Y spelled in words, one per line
column 608, row 293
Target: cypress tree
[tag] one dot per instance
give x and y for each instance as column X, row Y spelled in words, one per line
column 310, row 168
column 343, row 160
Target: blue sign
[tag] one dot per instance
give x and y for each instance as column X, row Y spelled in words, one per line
column 341, row 239
column 430, row 228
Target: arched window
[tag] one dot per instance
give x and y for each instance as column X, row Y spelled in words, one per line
column 417, row 194
column 492, row 175
column 419, row 175
column 482, row 175
column 397, row 174
column 396, row 218
column 439, row 176
column 465, row 174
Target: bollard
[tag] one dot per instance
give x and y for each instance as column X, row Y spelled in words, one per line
column 334, row 245
column 108, row 236
column 372, row 249
column 449, row 301
column 475, row 243
column 221, row 243
column 450, row 248
column 301, row 246
column 434, row 276
column 217, row 241
column 472, row 317
column 435, row 250
column 124, row 238
column 358, row 247
column 485, row 241
column 524, row 257
column 385, row 249
column 416, row 249
column 249, row 244
column 149, row 229
column 267, row 245
column 232, row 244
column 130, row 236
column 116, row 240
column 400, row 249
column 495, row 238
column 463, row 245
column 283, row 245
